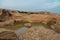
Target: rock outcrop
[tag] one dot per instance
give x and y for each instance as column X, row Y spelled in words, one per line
column 10, row 17
column 39, row 34
column 6, row 34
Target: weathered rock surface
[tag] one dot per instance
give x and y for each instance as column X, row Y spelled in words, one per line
column 6, row 34
column 8, row 17
column 39, row 34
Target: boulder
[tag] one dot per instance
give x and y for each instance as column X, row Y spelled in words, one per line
column 6, row 34
column 37, row 34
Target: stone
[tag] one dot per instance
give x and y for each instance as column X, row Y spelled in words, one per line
column 37, row 34
column 6, row 34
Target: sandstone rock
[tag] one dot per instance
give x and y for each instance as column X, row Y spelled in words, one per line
column 6, row 34
column 55, row 37
column 56, row 28
column 37, row 34
column 28, row 25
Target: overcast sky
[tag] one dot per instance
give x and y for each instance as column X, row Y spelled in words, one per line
column 31, row 5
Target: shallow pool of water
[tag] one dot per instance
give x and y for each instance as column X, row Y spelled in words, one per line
column 23, row 29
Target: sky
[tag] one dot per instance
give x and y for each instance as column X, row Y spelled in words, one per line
column 31, row 5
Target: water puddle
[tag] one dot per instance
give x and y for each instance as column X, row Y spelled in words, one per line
column 23, row 29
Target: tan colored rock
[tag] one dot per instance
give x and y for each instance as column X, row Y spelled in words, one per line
column 37, row 34
column 9, row 16
column 0, row 11
column 28, row 25
column 55, row 37
column 6, row 34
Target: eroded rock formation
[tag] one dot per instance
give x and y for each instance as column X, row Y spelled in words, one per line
column 10, row 17
column 39, row 34
column 6, row 34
